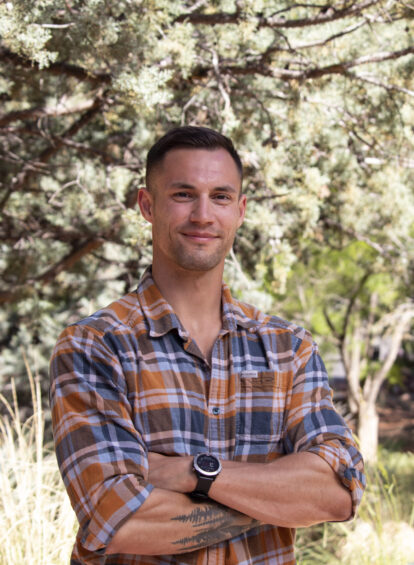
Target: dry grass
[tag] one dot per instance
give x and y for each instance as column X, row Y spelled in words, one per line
column 383, row 532
column 37, row 524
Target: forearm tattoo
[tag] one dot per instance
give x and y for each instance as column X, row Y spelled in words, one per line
column 212, row 523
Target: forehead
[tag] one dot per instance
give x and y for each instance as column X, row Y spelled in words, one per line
column 204, row 165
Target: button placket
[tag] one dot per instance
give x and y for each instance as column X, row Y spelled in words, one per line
column 214, row 410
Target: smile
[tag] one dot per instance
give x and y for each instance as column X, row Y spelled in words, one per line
column 200, row 237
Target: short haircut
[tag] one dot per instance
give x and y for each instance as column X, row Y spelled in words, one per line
column 190, row 137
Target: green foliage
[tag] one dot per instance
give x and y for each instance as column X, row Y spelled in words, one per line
column 317, row 97
column 396, row 376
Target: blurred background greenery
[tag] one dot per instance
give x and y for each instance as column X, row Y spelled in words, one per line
column 318, row 98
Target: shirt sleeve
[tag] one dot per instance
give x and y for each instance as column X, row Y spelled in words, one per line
column 314, row 425
column 101, row 456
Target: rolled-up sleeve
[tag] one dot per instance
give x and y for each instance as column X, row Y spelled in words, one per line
column 314, row 425
column 101, row 456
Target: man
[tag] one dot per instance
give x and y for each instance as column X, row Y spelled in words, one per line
column 190, row 427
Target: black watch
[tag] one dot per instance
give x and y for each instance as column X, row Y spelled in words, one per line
column 207, row 467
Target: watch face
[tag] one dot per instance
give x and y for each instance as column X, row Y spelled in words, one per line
column 208, row 464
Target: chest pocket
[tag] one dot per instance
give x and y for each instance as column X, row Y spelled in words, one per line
column 261, row 406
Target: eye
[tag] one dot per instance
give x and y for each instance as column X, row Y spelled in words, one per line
column 182, row 195
column 222, row 196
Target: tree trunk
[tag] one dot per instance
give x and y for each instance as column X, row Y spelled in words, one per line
column 353, row 353
column 368, row 427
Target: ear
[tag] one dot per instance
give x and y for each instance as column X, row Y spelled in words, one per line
column 242, row 209
column 145, row 203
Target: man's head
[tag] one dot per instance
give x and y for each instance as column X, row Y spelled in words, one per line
column 193, row 200
column 189, row 137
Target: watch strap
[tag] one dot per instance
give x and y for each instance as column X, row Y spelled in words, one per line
column 203, row 486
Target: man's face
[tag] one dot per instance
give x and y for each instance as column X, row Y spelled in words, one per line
column 195, row 208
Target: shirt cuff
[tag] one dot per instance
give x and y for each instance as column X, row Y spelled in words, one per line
column 121, row 499
column 348, row 465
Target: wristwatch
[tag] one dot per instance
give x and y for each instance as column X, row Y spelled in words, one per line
column 207, row 467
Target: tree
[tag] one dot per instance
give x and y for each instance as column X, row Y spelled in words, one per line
column 318, row 98
column 359, row 305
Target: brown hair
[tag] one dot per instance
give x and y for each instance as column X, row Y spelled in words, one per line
column 190, row 137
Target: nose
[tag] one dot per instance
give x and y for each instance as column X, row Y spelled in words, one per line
column 201, row 212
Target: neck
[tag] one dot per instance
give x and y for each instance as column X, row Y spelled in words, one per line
column 194, row 295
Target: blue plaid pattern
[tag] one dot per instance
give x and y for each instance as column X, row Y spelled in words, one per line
column 129, row 379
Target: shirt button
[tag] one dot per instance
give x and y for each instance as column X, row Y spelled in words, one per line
column 215, row 410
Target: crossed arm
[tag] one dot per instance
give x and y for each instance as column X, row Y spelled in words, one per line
column 295, row 490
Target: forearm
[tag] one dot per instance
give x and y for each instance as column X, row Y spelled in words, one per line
column 293, row 491
column 169, row 522
column 296, row 490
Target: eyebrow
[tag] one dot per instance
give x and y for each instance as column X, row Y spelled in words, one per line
column 223, row 188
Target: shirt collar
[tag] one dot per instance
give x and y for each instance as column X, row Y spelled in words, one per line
column 158, row 312
column 161, row 317
column 237, row 314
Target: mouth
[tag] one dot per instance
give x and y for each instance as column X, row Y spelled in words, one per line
column 201, row 237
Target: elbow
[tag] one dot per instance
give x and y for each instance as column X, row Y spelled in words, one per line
column 120, row 540
column 341, row 511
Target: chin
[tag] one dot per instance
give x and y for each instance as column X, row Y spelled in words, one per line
column 192, row 264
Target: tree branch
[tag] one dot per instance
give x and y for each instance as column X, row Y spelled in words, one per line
column 351, row 303
column 382, row 250
column 70, row 259
column 55, row 68
column 13, row 230
column 259, row 67
column 376, row 82
column 44, row 157
column 34, row 113
column 331, row 325
column 67, row 262
column 79, row 250
column 400, row 321
column 331, row 14
column 321, row 42
column 106, row 157
column 354, row 367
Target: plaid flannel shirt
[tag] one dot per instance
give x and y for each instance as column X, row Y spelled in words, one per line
column 129, row 379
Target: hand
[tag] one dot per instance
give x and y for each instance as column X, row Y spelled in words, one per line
column 171, row 472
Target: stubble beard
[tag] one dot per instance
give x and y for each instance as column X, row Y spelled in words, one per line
column 198, row 259
column 192, row 257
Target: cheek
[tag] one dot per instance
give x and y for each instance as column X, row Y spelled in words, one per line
column 166, row 222
column 233, row 222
